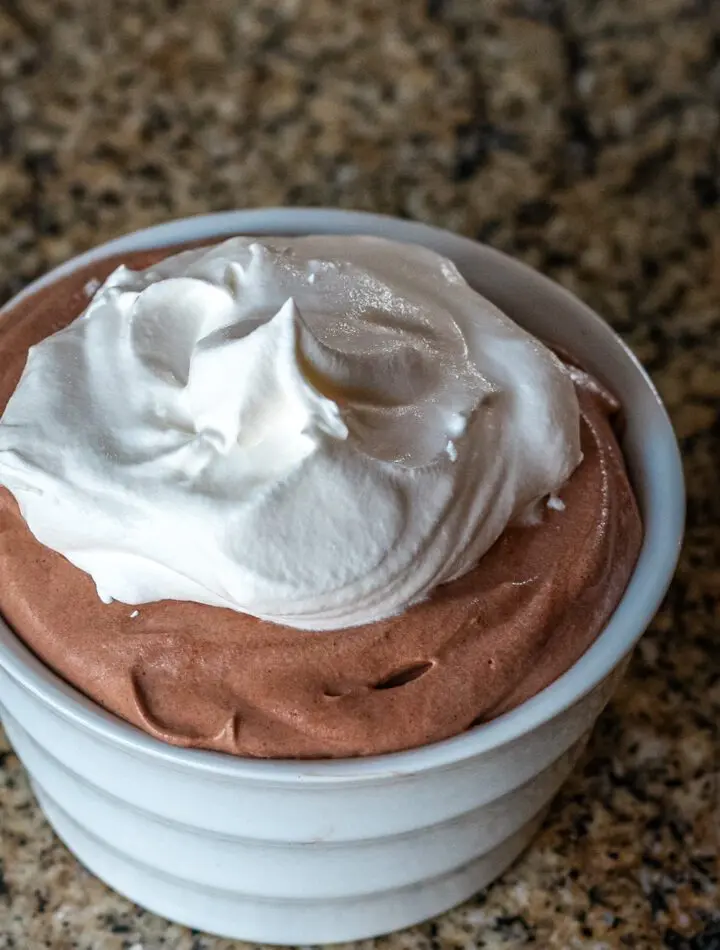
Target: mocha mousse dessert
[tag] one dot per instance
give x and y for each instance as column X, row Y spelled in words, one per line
column 308, row 497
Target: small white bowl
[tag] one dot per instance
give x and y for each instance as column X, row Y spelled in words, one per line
column 300, row 852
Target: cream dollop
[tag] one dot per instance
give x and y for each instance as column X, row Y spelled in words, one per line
column 315, row 431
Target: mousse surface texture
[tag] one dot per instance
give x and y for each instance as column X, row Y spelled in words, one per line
column 208, row 676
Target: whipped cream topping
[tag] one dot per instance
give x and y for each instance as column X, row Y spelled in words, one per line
column 315, row 431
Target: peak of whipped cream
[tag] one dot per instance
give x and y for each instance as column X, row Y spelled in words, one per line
column 315, row 431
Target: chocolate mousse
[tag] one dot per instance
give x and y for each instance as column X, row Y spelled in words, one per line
column 209, row 676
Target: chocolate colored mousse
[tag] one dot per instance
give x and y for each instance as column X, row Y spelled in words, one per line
column 209, row 677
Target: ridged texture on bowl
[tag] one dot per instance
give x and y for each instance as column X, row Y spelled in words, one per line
column 314, row 862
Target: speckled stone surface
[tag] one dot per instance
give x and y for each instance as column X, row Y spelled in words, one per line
column 582, row 136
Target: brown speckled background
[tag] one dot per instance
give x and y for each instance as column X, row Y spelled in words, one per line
column 580, row 135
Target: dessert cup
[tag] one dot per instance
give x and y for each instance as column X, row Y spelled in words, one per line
column 299, row 852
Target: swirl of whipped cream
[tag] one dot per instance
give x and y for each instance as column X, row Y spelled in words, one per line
column 315, row 431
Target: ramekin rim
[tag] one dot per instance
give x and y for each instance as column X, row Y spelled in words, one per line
column 648, row 585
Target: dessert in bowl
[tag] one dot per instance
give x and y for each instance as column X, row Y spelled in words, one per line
column 397, row 575
column 358, row 509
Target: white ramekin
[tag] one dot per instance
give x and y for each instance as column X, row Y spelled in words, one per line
column 317, row 852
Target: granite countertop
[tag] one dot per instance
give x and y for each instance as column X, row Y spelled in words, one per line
column 579, row 135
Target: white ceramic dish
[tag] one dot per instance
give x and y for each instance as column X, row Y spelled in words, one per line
column 317, row 852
